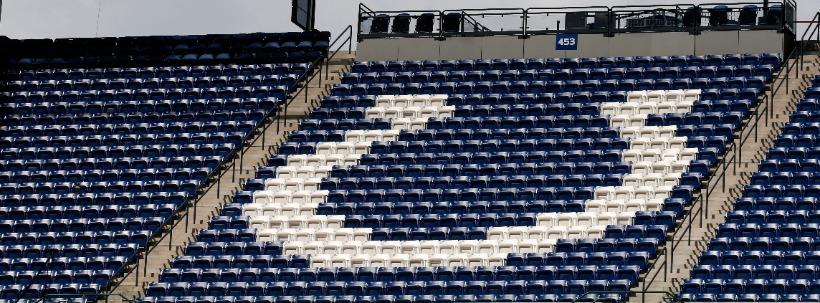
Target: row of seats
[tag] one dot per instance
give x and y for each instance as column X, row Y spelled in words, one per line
column 428, row 247
column 135, row 118
column 421, row 208
column 486, row 165
column 89, row 199
column 759, row 286
column 603, row 298
column 538, row 87
column 535, row 287
column 127, row 128
column 68, row 250
column 576, row 163
column 59, row 277
column 331, row 102
column 145, row 106
column 161, row 72
column 516, row 110
column 765, row 243
column 386, row 274
column 31, row 291
column 300, row 136
column 472, row 182
column 777, row 191
column 754, row 272
column 80, row 225
column 511, row 122
column 87, row 212
column 387, row 208
column 280, row 92
column 160, row 44
column 749, row 297
column 63, row 263
column 139, row 238
column 57, row 176
column 560, row 74
column 785, row 178
column 122, row 140
column 461, row 207
column 771, row 204
column 134, row 151
column 530, row 259
column 150, row 83
column 473, row 194
column 602, row 62
column 211, row 162
column 47, row 188
column 768, row 230
column 780, row 217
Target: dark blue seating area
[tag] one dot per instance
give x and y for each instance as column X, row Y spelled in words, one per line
column 765, row 251
column 105, row 140
column 550, row 180
column 295, row 47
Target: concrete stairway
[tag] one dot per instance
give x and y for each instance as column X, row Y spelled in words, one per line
column 725, row 185
column 265, row 143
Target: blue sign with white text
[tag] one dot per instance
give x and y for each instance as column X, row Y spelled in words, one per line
column 566, row 42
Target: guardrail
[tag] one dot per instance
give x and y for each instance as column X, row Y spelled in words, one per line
column 523, row 22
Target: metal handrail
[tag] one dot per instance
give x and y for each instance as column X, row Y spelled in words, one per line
column 788, row 22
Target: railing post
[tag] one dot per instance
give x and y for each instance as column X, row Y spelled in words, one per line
column 137, row 272
column 242, row 160
column 171, row 235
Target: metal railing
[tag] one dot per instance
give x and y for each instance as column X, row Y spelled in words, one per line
column 523, row 22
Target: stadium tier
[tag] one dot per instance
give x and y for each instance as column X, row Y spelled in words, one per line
column 95, row 161
column 486, row 180
column 767, row 250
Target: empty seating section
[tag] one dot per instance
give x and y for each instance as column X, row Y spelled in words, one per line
column 489, row 180
column 94, row 161
column 296, row 47
column 767, row 250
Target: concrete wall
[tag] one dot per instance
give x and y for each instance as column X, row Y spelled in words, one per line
column 589, row 45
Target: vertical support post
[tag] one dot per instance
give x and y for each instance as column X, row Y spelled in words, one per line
column 171, row 236
column 145, row 264
column 137, row 273
column 671, row 254
column 195, row 207
column 665, row 266
column 241, row 160
column 187, row 209
column 689, row 239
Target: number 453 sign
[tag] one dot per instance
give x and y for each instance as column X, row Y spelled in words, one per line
column 566, row 42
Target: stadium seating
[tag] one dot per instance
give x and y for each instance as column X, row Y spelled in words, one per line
column 127, row 52
column 100, row 151
column 487, row 181
column 766, row 251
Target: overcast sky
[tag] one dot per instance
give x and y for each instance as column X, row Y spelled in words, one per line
column 90, row 18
